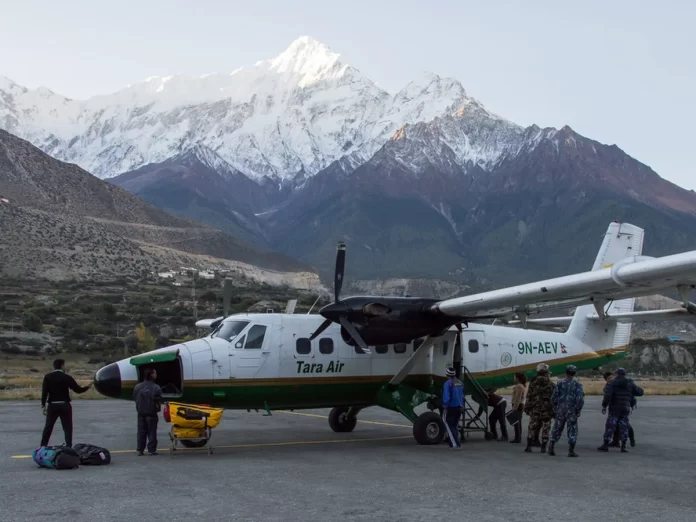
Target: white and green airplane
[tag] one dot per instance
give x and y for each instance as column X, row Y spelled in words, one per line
column 393, row 351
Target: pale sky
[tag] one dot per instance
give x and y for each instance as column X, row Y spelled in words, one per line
column 621, row 72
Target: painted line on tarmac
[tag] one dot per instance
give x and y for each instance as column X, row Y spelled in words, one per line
column 256, row 445
column 359, row 420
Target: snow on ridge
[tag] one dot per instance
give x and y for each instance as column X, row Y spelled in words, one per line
column 295, row 113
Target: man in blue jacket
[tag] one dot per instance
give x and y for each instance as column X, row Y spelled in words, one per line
column 452, row 402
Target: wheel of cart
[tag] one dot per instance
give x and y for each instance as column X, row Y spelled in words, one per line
column 199, row 441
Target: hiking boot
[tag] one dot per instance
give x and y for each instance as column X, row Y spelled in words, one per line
column 604, row 447
column 623, row 447
column 551, row 452
column 543, row 446
column 528, row 449
column 633, row 443
column 571, row 451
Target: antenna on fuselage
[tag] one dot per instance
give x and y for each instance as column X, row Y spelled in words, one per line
column 315, row 302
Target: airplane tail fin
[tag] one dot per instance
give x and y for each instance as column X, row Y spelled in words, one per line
column 621, row 240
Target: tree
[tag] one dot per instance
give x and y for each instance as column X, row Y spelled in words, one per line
column 32, row 322
column 146, row 341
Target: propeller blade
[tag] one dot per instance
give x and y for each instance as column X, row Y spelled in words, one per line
column 340, row 267
column 354, row 334
column 321, row 328
column 226, row 297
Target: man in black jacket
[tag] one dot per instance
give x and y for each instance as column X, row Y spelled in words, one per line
column 148, row 400
column 619, row 397
column 56, row 392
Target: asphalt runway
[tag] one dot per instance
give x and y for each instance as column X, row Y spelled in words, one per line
column 291, row 466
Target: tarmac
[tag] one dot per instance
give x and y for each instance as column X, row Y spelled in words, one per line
column 291, row 466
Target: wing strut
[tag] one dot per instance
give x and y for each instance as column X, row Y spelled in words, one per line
column 411, row 362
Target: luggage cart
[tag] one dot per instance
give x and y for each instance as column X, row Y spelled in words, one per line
column 192, row 425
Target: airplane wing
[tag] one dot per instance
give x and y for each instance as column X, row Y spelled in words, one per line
column 671, row 314
column 631, row 277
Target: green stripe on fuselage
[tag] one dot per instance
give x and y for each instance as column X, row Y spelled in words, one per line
column 305, row 393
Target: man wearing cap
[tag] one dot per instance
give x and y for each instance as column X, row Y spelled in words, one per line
column 619, row 396
column 452, row 402
column 567, row 400
column 538, row 407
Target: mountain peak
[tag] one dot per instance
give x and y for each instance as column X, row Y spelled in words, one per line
column 307, row 58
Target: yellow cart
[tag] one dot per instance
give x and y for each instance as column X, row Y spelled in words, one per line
column 192, row 425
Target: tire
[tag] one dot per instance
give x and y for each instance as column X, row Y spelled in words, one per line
column 197, row 443
column 429, row 428
column 340, row 422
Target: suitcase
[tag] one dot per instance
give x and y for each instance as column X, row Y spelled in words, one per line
column 91, row 455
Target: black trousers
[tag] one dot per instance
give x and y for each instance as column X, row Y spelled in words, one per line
column 62, row 411
column 498, row 417
column 147, row 432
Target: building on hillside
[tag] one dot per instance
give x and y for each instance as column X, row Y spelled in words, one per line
column 205, row 274
column 166, row 275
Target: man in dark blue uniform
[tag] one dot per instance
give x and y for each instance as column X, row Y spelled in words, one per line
column 619, row 397
column 452, row 402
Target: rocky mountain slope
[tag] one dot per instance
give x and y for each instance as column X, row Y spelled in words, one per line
column 59, row 221
column 300, row 151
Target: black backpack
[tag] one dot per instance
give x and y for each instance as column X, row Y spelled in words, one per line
column 91, row 455
column 56, row 457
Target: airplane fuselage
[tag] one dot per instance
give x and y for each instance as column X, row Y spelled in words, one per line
column 266, row 361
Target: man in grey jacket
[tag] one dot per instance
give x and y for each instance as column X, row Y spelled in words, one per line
column 148, row 401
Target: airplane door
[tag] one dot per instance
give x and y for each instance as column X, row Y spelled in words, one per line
column 474, row 349
column 249, row 351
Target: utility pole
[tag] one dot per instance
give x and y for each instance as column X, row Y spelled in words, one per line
column 193, row 292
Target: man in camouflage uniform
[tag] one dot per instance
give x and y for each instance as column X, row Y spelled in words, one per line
column 538, row 407
column 567, row 400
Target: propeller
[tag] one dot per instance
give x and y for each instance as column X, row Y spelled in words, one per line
column 336, row 310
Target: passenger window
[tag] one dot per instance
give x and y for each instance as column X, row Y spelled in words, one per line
column 326, row 346
column 255, row 337
column 400, row 348
column 445, row 345
column 382, row 348
column 473, row 346
column 303, row 346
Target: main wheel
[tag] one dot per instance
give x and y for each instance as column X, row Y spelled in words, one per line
column 429, row 428
column 340, row 421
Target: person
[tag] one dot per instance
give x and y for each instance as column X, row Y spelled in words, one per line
column 452, row 402
column 567, row 400
column 148, row 401
column 608, row 376
column 518, row 394
column 619, row 396
column 55, row 401
column 538, row 407
column 499, row 405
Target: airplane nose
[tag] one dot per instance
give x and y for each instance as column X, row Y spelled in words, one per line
column 107, row 381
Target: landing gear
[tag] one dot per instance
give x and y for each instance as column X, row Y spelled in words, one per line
column 342, row 420
column 429, row 428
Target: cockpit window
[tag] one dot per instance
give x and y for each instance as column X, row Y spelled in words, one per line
column 229, row 330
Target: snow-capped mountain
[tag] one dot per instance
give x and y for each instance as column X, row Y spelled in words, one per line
column 291, row 115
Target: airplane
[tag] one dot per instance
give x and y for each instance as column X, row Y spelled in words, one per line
column 392, row 352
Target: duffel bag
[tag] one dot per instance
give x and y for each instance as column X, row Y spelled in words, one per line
column 91, row 455
column 56, row 457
